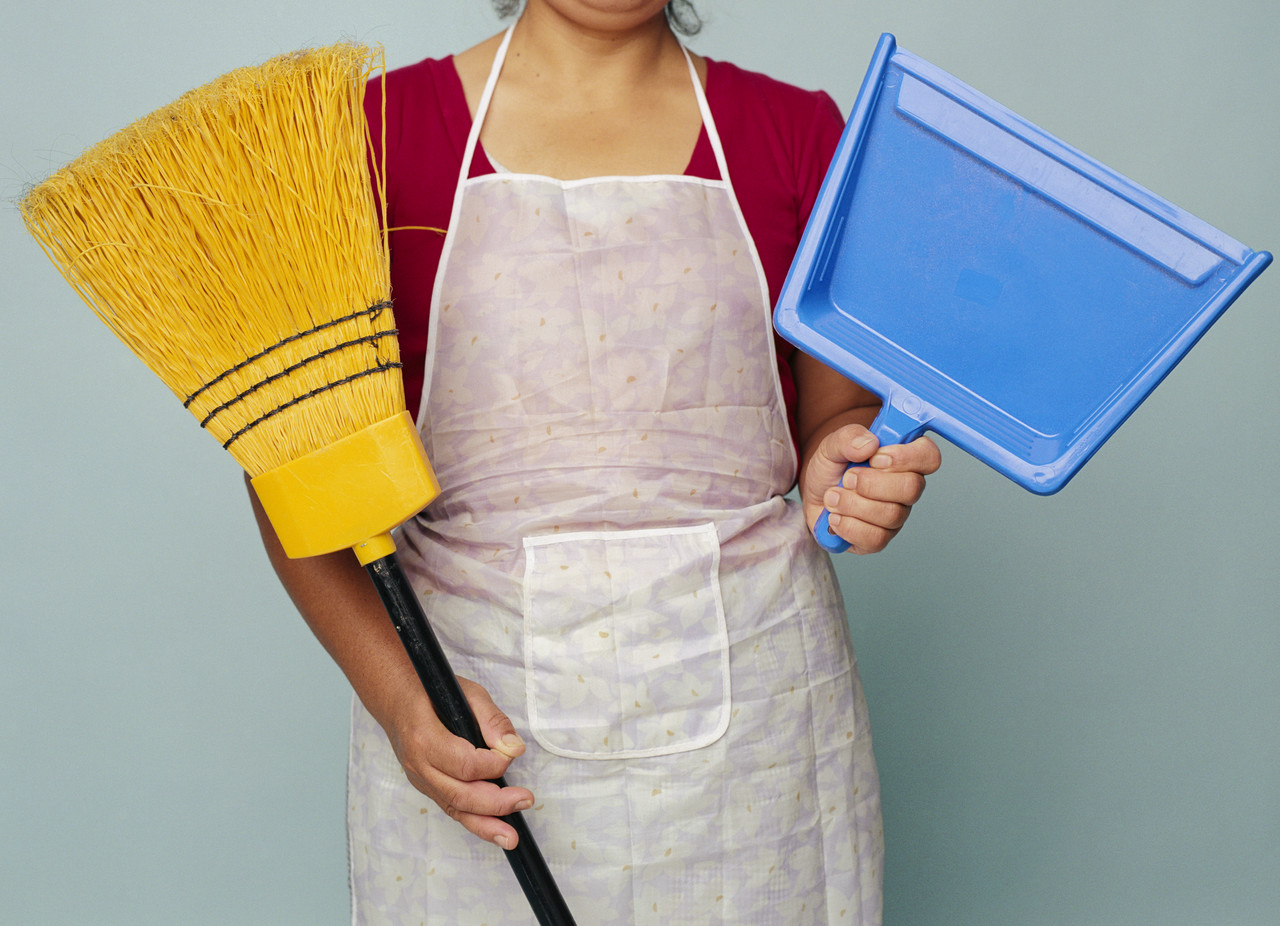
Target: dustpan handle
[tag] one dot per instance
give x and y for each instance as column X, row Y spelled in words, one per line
column 451, row 706
column 892, row 426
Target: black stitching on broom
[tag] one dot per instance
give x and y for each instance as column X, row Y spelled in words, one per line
column 390, row 365
column 367, row 339
column 373, row 312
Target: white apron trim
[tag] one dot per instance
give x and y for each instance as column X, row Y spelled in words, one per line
column 552, row 656
column 473, row 139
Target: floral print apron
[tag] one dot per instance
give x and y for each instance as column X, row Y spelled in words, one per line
column 613, row 559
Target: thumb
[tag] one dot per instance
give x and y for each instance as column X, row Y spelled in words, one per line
column 849, row 444
column 499, row 732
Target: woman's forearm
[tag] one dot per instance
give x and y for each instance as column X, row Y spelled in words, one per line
column 337, row 599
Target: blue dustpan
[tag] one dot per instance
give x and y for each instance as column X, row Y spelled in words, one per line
column 992, row 283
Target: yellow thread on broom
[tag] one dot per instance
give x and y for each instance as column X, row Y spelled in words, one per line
column 225, row 224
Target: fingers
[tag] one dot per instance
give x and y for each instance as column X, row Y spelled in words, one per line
column 921, row 456
column 860, row 500
column 479, row 807
column 459, row 776
column 872, row 503
column 871, row 507
column 865, row 533
column 887, row 486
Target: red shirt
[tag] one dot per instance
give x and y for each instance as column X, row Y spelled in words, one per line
column 777, row 139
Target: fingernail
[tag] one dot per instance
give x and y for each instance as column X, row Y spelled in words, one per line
column 502, row 842
column 861, row 442
column 524, row 805
column 881, row 460
column 833, row 521
column 511, row 741
column 831, row 499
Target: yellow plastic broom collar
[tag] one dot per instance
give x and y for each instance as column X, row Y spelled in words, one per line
column 351, row 493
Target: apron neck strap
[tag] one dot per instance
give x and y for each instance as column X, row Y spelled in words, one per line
column 482, row 109
column 713, row 135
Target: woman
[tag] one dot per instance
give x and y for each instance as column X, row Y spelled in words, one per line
column 652, row 642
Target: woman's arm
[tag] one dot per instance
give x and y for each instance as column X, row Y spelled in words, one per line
column 340, row 604
column 871, row 504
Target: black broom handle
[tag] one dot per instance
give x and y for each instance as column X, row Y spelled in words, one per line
column 455, row 713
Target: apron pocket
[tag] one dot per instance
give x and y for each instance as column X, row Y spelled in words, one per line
column 625, row 645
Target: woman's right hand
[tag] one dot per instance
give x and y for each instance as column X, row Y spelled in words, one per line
column 341, row 606
column 455, row 774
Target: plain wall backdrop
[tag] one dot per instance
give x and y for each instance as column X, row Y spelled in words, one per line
column 1076, row 700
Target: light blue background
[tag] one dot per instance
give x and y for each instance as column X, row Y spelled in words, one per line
column 1076, row 699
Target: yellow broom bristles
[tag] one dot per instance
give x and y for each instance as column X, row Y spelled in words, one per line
column 231, row 239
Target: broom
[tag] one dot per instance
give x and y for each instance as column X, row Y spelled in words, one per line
column 232, row 241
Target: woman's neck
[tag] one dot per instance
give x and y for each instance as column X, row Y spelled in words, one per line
column 591, row 54
column 577, row 100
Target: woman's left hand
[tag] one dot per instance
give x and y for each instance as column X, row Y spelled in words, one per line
column 868, row 504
